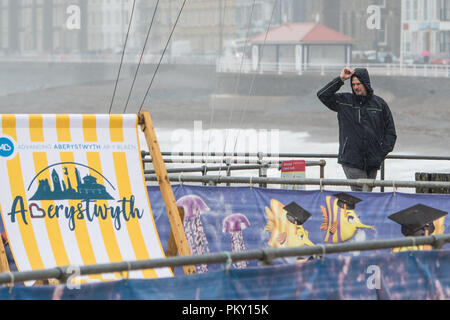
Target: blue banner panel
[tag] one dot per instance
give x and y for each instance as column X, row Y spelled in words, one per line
column 416, row 275
column 242, row 218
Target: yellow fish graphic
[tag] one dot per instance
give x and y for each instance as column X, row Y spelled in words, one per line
column 283, row 232
column 340, row 223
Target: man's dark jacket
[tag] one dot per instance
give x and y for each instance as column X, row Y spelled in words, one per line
column 366, row 128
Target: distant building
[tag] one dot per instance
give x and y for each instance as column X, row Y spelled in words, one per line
column 63, row 26
column 40, row 26
column 301, row 44
column 210, row 27
column 353, row 18
column 348, row 17
column 203, row 27
column 425, row 26
column 108, row 24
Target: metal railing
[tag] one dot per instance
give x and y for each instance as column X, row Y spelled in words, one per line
column 110, row 58
column 226, row 65
column 366, row 184
column 257, row 163
column 266, row 255
column 408, row 157
column 271, row 160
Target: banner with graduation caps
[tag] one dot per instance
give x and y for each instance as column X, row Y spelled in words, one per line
column 418, row 220
column 73, row 193
column 240, row 218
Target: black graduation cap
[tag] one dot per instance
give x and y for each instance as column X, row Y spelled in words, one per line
column 296, row 214
column 349, row 200
column 416, row 218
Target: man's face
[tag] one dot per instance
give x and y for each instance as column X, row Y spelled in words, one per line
column 358, row 87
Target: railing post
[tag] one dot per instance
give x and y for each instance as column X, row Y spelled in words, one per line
column 322, row 168
column 143, row 153
column 382, row 174
column 204, row 173
column 438, row 244
column 228, row 164
column 262, row 169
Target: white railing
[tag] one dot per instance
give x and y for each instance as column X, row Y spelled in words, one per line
column 383, row 69
column 237, row 65
column 111, row 58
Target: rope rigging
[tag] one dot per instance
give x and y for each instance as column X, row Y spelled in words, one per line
column 141, row 57
column 239, row 76
column 253, row 77
column 237, row 83
column 212, row 106
column 123, row 54
column 162, row 55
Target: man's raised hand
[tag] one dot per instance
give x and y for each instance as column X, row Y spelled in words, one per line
column 346, row 73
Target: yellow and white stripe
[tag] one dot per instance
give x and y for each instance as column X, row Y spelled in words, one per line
column 48, row 242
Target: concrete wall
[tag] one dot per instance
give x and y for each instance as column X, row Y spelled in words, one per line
column 19, row 77
column 276, row 85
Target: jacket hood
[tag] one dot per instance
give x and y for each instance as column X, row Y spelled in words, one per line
column 363, row 75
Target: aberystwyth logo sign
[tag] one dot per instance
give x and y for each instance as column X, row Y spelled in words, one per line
column 7, row 147
column 73, row 192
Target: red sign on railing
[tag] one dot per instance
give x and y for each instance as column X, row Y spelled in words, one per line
column 293, row 166
column 292, row 169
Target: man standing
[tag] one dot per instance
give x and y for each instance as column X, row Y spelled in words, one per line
column 366, row 128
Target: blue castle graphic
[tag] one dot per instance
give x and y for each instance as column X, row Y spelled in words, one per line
column 87, row 188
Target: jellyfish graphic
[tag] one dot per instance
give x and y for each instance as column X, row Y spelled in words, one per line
column 193, row 207
column 234, row 224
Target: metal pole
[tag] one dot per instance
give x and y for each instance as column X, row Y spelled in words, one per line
column 331, row 182
column 264, row 254
column 294, row 155
column 235, row 161
column 143, row 154
column 228, row 170
column 322, row 164
column 262, row 170
column 205, row 169
column 204, row 172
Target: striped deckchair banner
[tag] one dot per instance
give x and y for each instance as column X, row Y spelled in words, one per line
column 73, row 193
